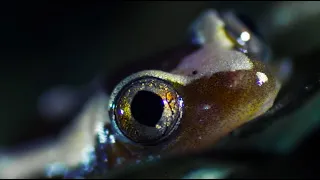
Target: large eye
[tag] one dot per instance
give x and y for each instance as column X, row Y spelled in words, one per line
column 147, row 109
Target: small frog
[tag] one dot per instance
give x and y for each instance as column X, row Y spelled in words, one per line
column 154, row 113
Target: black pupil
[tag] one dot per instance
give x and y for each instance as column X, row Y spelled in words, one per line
column 147, row 108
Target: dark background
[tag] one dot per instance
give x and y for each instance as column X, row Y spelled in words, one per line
column 48, row 43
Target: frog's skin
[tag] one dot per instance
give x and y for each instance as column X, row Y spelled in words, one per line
column 228, row 89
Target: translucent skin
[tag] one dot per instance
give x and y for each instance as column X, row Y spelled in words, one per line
column 218, row 104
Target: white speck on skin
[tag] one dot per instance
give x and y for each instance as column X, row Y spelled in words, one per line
column 206, row 107
column 262, row 78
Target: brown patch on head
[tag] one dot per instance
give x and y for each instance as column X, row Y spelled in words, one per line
column 219, row 104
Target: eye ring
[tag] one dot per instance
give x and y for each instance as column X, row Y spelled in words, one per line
column 136, row 96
